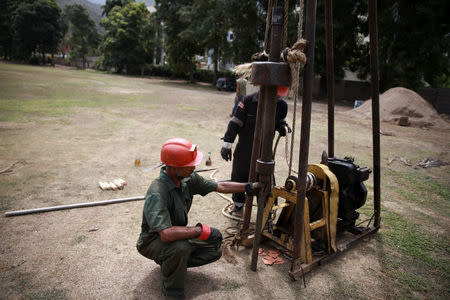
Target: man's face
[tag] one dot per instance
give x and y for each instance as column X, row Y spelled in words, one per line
column 185, row 172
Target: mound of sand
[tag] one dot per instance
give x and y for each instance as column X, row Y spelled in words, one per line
column 401, row 102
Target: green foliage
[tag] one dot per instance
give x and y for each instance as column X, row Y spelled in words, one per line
column 209, row 75
column 127, row 41
column 406, row 58
column 209, row 25
column 34, row 60
column 160, row 71
column 347, row 24
column 247, row 21
column 180, row 40
column 84, row 37
column 199, row 74
column 38, row 27
column 110, row 4
column 7, row 8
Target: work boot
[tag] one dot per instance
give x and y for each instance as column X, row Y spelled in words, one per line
column 238, row 211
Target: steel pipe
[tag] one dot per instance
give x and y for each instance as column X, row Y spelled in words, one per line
column 70, row 206
column 330, row 74
column 375, row 91
column 311, row 10
column 270, row 105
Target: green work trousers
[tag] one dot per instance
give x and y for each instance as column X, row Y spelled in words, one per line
column 175, row 257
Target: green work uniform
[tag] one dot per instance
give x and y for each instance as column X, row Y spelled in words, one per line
column 166, row 206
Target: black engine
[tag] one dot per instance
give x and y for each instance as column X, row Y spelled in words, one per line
column 352, row 192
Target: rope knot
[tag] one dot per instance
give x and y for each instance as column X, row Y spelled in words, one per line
column 295, row 53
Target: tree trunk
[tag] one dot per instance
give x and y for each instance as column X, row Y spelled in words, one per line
column 216, row 62
column 191, row 70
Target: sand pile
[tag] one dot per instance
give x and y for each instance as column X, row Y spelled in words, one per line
column 401, row 102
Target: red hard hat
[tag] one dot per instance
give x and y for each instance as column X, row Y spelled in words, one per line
column 282, row 91
column 179, row 152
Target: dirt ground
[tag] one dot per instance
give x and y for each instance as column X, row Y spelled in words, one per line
column 61, row 255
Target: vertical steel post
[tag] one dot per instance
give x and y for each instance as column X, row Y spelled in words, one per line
column 255, row 154
column 265, row 164
column 330, row 74
column 375, row 90
column 306, row 125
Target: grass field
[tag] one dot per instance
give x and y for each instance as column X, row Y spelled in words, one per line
column 72, row 128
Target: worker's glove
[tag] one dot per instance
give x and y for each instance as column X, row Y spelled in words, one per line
column 226, row 151
column 252, row 188
column 210, row 235
column 284, row 129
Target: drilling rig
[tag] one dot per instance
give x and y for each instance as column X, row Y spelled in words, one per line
column 319, row 213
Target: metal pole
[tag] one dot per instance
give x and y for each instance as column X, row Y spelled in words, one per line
column 330, row 74
column 265, row 164
column 255, row 154
column 306, row 124
column 70, row 206
column 375, row 90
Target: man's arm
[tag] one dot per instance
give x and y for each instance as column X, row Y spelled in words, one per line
column 234, row 127
column 228, row 187
column 176, row 233
column 280, row 123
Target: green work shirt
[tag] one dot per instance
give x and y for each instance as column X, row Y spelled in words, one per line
column 166, row 205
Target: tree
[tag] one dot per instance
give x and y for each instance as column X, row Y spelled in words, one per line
column 209, row 25
column 7, row 8
column 125, row 44
column 110, row 4
column 84, row 36
column 38, row 27
column 348, row 23
column 181, row 43
column 414, row 43
column 406, row 58
column 247, row 22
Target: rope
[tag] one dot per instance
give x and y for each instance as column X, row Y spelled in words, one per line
column 285, row 23
column 300, row 19
column 268, row 22
column 295, row 57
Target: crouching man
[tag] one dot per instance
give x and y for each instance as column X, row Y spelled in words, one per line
column 165, row 236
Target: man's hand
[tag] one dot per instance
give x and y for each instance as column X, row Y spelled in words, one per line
column 226, row 151
column 210, row 235
column 252, row 188
column 284, row 129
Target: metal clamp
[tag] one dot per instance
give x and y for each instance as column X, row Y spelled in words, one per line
column 265, row 167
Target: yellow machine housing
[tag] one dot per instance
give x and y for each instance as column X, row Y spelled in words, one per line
column 320, row 218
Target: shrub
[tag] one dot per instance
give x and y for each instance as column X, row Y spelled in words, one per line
column 34, row 60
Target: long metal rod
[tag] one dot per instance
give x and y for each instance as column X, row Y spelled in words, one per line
column 375, row 90
column 255, row 155
column 70, row 206
column 306, row 125
column 270, row 106
column 330, row 74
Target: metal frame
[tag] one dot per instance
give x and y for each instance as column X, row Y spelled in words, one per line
column 263, row 138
